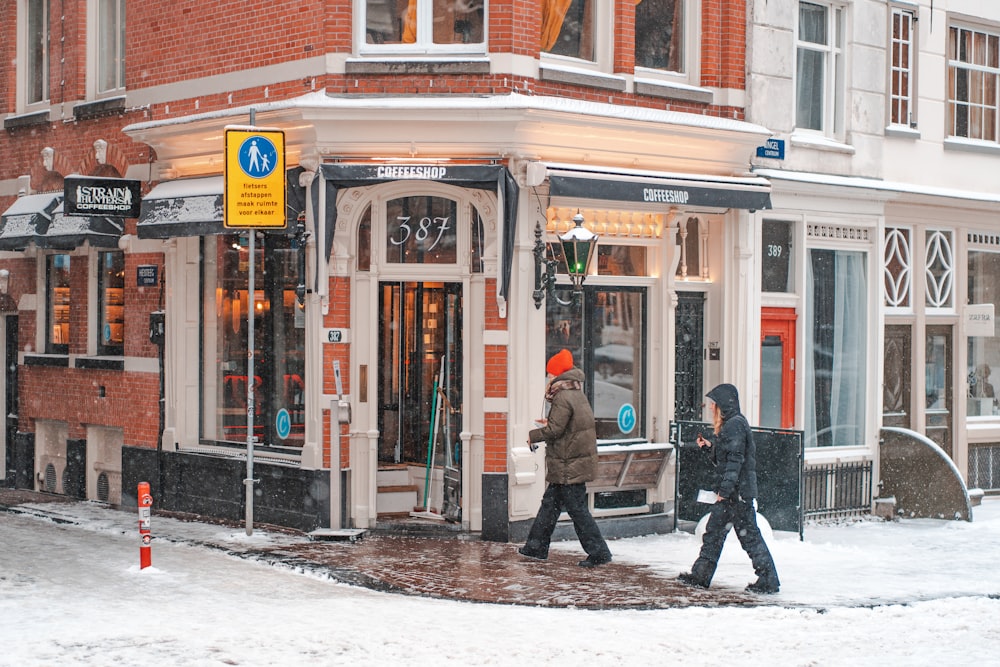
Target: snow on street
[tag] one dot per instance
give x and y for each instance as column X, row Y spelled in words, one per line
column 914, row 592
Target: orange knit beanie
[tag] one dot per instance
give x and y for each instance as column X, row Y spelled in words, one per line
column 560, row 362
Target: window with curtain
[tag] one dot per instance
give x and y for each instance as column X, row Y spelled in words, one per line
column 902, row 62
column 568, row 28
column 424, row 23
column 984, row 351
column 110, row 45
column 819, row 72
column 973, row 68
column 36, row 26
column 836, row 330
column 659, row 34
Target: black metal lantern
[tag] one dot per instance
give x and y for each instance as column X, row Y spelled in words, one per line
column 578, row 247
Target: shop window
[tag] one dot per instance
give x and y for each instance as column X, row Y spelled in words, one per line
column 689, row 242
column 819, row 72
column 421, row 230
column 606, row 332
column 568, row 28
column 57, row 300
column 902, row 66
column 110, row 45
column 279, row 340
column 984, row 351
column 939, row 269
column 836, row 330
column 35, row 27
column 777, row 260
column 662, row 34
column 414, row 25
column 365, row 240
column 898, row 269
column 111, row 302
column 973, row 71
column 620, row 260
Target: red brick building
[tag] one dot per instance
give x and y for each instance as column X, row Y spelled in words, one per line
column 397, row 344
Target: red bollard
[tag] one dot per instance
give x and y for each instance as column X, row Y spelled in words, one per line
column 145, row 507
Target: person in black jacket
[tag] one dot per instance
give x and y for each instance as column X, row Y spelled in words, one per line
column 735, row 485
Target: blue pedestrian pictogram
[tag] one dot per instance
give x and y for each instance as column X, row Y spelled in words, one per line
column 283, row 423
column 257, row 156
column 626, row 418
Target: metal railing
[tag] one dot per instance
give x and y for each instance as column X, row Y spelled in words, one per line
column 837, row 490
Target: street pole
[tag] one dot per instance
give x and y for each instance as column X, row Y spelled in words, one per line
column 251, row 298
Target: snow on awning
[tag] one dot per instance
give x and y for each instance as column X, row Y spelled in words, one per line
column 184, row 207
column 40, row 219
column 19, row 222
column 685, row 191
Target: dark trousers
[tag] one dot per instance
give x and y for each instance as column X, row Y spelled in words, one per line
column 741, row 517
column 573, row 499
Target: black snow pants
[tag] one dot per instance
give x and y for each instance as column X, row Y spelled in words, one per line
column 573, row 499
column 741, row 517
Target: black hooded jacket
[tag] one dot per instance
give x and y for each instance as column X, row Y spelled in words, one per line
column 733, row 449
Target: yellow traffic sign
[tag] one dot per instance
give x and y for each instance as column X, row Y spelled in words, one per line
column 255, row 178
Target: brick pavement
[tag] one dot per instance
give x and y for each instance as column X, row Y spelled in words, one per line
column 471, row 570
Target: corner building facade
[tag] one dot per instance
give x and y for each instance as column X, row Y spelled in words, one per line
column 399, row 345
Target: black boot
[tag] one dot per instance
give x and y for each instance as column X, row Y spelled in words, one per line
column 692, row 580
column 766, row 583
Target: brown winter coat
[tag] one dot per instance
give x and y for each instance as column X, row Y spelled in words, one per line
column 570, row 435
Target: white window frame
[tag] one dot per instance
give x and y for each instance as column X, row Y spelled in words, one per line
column 691, row 71
column 94, row 73
column 22, row 102
column 422, row 47
column 835, row 69
column 951, row 101
column 905, row 13
column 604, row 26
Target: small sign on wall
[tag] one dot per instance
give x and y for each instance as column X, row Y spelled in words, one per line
column 979, row 319
column 146, row 275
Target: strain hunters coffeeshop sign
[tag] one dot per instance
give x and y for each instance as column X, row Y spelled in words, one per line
column 114, row 197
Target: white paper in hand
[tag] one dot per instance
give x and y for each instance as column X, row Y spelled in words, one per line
column 707, row 497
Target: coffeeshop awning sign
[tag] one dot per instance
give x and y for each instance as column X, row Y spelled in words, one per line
column 114, row 197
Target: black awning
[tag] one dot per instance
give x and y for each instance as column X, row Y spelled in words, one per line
column 40, row 219
column 185, row 207
column 668, row 190
column 66, row 232
column 495, row 178
column 18, row 223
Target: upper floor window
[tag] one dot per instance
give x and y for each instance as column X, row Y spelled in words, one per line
column 660, row 34
column 36, row 51
column 111, row 302
column 902, row 63
column 57, row 304
column 819, row 72
column 568, row 28
column 421, row 25
column 973, row 67
column 110, row 45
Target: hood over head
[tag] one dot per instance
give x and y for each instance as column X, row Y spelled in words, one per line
column 727, row 398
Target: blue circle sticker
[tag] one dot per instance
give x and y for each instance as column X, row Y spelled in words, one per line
column 626, row 418
column 257, row 156
column 283, row 423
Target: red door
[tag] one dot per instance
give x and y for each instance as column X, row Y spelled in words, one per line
column 777, row 367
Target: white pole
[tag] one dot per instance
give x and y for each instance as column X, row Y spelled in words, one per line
column 251, row 298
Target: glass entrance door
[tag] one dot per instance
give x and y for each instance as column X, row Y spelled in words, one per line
column 777, row 367
column 937, row 374
column 420, row 351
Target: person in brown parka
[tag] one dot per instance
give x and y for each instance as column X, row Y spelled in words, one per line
column 570, row 462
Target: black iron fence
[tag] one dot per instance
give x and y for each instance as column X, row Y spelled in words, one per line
column 837, row 490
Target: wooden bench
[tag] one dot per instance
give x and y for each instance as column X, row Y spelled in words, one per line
column 625, row 467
